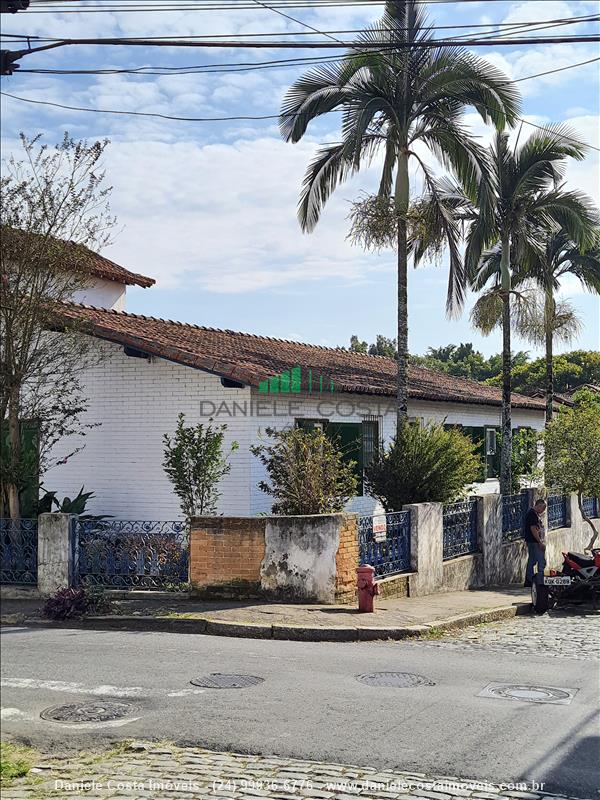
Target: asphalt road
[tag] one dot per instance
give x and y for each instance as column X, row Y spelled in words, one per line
column 310, row 704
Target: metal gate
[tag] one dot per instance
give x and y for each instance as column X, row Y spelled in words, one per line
column 129, row 553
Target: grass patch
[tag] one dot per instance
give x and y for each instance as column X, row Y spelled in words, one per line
column 434, row 633
column 15, row 762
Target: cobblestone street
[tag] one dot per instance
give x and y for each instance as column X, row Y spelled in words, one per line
column 568, row 633
column 140, row 771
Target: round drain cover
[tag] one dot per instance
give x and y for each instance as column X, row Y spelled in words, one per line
column 216, row 680
column 531, row 694
column 98, row 711
column 399, row 680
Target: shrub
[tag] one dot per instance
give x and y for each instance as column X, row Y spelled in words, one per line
column 195, row 464
column 307, row 472
column 572, row 454
column 71, row 603
column 424, row 464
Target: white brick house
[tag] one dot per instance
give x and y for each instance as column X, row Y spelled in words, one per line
column 154, row 369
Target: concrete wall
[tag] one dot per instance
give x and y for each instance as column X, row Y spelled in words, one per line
column 290, row 559
column 299, row 560
column 54, row 553
column 574, row 538
column 465, row 572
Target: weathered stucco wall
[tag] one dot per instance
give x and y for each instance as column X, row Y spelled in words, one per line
column 291, row 559
column 463, row 573
column 299, row 561
column 574, row 538
column 54, row 553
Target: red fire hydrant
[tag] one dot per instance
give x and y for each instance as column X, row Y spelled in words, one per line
column 367, row 588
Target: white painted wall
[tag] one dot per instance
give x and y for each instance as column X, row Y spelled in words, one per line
column 137, row 401
column 103, row 294
column 279, row 413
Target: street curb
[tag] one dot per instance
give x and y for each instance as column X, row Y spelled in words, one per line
column 297, row 633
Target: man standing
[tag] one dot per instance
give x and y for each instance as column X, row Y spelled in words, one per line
column 533, row 533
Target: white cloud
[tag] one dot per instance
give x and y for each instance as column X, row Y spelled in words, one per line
column 222, row 216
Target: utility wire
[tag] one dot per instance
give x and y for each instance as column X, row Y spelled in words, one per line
column 247, row 118
column 222, row 5
column 517, row 26
column 425, row 43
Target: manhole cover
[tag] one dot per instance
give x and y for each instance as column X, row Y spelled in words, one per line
column 399, row 680
column 216, row 680
column 530, row 693
column 97, row 711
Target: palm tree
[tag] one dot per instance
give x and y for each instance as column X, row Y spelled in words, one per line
column 559, row 257
column 522, row 199
column 398, row 92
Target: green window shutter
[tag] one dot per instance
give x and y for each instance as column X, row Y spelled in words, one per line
column 348, row 437
column 370, row 440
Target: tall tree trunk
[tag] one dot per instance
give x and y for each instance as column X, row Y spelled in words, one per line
column 14, row 442
column 548, row 320
column 401, row 206
column 506, row 452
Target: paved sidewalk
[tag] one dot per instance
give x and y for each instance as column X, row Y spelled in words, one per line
column 144, row 771
column 394, row 618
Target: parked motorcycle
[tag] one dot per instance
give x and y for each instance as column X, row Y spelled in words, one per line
column 577, row 581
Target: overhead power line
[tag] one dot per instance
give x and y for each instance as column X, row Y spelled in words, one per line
column 41, row 7
column 358, row 45
column 263, row 117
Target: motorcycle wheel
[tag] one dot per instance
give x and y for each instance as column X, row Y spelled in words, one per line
column 540, row 598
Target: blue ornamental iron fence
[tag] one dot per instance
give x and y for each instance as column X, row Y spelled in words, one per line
column 514, row 508
column 385, row 545
column 129, row 553
column 18, row 551
column 591, row 506
column 557, row 511
column 459, row 529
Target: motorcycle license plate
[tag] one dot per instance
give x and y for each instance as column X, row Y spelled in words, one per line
column 557, row 580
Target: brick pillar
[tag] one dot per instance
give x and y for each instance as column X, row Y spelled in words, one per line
column 426, row 548
column 346, row 559
column 54, row 553
column 226, row 554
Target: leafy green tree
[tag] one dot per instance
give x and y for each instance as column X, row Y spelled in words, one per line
column 519, row 200
column 423, row 464
column 54, row 206
column 195, row 464
column 307, row 472
column 570, row 370
column 586, row 397
column 547, row 320
column 396, row 100
column 381, row 347
column 572, row 454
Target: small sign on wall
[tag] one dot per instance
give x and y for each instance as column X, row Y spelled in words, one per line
column 379, row 527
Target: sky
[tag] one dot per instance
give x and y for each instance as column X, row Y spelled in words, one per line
column 208, row 209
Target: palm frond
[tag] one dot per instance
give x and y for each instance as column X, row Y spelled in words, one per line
column 331, row 166
column 317, row 92
column 486, row 314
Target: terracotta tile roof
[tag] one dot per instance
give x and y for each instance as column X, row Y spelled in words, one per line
column 78, row 257
column 102, row 267
column 250, row 359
